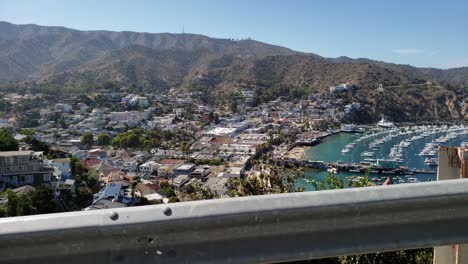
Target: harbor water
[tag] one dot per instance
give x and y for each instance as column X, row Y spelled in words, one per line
column 329, row 150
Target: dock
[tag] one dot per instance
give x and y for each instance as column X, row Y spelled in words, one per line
column 349, row 167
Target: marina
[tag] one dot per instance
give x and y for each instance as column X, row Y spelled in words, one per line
column 411, row 150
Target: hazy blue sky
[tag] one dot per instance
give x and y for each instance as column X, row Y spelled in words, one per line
column 418, row 32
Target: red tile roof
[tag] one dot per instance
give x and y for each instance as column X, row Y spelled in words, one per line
column 91, row 162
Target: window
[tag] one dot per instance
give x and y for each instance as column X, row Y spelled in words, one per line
column 7, row 168
column 8, row 160
column 29, row 178
column 24, row 158
column 47, row 177
column 20, row 168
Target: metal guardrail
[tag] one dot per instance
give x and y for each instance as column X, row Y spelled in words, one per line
column 260, row 229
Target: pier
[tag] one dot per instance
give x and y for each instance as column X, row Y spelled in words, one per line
column 350, row 167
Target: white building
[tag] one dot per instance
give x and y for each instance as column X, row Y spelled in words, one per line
column 129, row 118
column 63, row 165
column 180, row 180
column 341, row 87
column 237, row 149
column 233, row 172
column 139, row 100
column 380, row 89
column 351, row 107
column 149, row 167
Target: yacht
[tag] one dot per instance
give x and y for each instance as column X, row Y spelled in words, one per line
column 385, row 124
column 368, row 154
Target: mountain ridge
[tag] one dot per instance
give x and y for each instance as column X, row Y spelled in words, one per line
column 59, row 60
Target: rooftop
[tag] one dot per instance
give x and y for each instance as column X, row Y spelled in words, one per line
column 185, row 167
column 15, row 153
column 221, row 131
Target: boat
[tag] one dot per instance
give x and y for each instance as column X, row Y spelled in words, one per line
column 357, row 179
column 385, row 124
column 368, row 154
column 441, row 140
column 412, row 180
column 355, row 170
column 405, row 144
column 431, row 161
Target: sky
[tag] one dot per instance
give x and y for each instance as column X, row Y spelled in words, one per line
column 423, row 33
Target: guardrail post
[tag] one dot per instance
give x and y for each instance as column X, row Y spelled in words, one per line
column 453, row 164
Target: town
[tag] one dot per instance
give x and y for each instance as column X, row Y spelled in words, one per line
column 129, row 149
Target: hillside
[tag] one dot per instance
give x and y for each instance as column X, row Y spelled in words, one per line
column 455, row 76
column 58, row 60
column 32, row 51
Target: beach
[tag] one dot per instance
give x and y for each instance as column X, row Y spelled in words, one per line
column 297, row 153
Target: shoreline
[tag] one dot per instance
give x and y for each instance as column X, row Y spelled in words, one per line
column 297, row 153
column 304, row 154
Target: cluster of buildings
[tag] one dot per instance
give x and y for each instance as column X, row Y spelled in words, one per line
column 223, row 146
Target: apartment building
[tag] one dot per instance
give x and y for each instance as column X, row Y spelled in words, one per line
column 18, row 168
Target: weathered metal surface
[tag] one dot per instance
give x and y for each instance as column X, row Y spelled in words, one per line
column 450, row 167
column 259, row 229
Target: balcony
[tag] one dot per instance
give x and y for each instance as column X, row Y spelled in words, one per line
column 259, row 229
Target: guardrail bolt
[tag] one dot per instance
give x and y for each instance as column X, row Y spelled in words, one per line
column 167, row 211
column 114, row 216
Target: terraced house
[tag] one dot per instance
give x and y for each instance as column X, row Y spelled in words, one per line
column 18, row 168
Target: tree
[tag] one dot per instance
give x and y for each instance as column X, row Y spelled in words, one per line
column 103, row 140
column 43, row 200
column 7, row 142
column 18, row 204
column 26, row 132
column 185, row 149
column 197, row 192
column 233, row 106
column 87, row 140
column 167, row 190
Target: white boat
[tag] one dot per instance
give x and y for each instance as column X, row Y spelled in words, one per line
column 412, row 180
column 441, row 140
column 385, row 124
column 431, row 161
column 368, row 154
